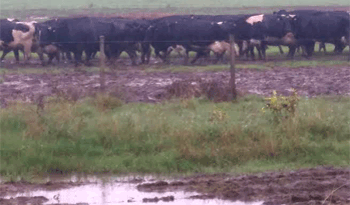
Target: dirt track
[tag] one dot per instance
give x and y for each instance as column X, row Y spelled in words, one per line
column 139, row 86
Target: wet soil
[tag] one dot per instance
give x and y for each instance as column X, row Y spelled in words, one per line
column 10, row 188
column 139, row 86
column 306, row 186
column 322, row 185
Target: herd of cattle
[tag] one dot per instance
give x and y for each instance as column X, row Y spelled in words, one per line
column 199, row 33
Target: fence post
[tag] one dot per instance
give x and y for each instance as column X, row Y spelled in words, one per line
column 102, row 63
column 232, row 83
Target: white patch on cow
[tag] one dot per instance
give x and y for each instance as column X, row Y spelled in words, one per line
column 220, row 22
column 220, row 47
column 24, row 38
column 254, row 19
column 179, row 49
column 343, row 40
column 10, row 19
column 283, row 15
column 255, row 42
column 245, row 45
column 292, row 15
column 50, row 49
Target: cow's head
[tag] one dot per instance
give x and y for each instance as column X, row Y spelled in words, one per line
column 46, row 34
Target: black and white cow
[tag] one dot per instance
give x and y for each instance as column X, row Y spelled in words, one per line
column 267, row 27
column 15, row 35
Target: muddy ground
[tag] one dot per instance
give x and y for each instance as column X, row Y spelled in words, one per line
column 323, row 185
column 306, row 186
column 140, row 86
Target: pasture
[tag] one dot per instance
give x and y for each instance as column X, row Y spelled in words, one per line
column 172, row 119
column 18, row 84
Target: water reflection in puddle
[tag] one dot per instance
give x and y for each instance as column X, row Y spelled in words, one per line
column 117, row 192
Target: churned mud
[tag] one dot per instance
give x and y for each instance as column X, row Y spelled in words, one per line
column 140, row 86
column 323, row 185
column 306, row 186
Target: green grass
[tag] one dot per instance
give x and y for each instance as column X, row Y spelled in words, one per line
column 180, row 136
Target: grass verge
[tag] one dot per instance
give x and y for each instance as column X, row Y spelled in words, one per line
column 102, row 134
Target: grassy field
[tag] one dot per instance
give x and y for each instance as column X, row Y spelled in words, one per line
column 67, row 4
column 102, row 134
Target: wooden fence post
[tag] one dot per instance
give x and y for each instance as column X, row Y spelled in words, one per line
column 232, row 83
column 102, row 63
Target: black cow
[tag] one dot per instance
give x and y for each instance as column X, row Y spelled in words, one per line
column 129, row 36
column 193, row 35
column 77, row 35
column 234, row 24
column 323, row 26
column 82, row 34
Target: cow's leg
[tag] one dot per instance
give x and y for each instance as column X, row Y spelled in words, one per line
column 321, row 46
column 187, row 56
column 69, row 56
column 27, row 51
column 58, row 56
column 132, row 55
column 162, row 57
column 115, row 55
column 145, row 53
column 52, row 56
column 6, row 51
column 240, row 48
column 40, row 53
column 291, row 52
column 77, row 57
column 16, row 52
column 280, row 48
column 309, row 48
column 259, row 49
column 89, row 54
column 198, row 55
column 263, row 50
column 219, row 56
column 251, row 51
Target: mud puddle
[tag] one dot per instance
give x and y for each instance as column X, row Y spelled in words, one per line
column 114, row 191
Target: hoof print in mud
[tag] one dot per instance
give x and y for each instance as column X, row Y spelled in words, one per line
column 203, row 196
column 156, row 199
column 24, row 200
column 156, row 185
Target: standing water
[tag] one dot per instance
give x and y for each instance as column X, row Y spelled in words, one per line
column 120, row 191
